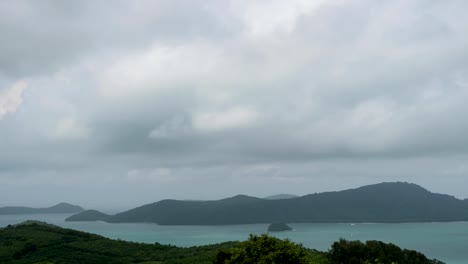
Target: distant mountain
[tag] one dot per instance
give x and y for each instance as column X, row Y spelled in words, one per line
column 61, row 208
column 379, row 203
column 281, row 196
column 174, row 212
column 88, row 215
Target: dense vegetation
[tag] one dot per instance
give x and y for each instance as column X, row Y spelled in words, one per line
column 385, row 202
column 41, row 243
column 264, row 250
column 61, row 208
column 374, row 252
column 34, row 242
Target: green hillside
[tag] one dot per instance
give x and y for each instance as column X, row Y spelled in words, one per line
column 42, row 243
column 35, row 242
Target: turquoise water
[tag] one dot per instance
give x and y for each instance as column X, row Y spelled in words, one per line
column 445, row 241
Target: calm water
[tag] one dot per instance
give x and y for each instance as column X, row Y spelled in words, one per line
column 445, row 241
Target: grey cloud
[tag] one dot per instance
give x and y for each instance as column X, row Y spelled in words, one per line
column 351, row 93
column 41, row 38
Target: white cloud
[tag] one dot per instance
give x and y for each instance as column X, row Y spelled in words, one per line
column 172, row 128
column 69, row 128
column 266, row 17
column 236, row 117
column 159, row 68
column 372, row 114
column 11, row 98
column 151, row 174
column 261, row 170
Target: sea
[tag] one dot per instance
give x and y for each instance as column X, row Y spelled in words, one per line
column 447, row 242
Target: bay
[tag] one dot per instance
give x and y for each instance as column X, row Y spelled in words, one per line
column 445, row 241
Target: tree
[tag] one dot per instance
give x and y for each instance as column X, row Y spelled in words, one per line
column 374, row 252
column 264, row 249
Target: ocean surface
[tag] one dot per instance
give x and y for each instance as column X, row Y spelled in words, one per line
column 447, row 242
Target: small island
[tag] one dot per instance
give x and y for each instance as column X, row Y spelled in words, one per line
column 278, row 227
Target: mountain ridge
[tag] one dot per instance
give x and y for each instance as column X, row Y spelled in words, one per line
column 280, row 196
column 392, row 202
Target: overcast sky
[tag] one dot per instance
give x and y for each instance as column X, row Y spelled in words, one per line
column 113, row 104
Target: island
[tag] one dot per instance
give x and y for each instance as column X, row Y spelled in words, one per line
column 88, row 215
column 278, row 227
column 61, row 208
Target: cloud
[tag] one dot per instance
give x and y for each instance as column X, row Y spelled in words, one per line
column 69, row 128
column 233, row 118
column 159, row 68
column 170, row 129
column 277, row 16
column 152, row 175
column 70, row 33
column 11, row 98
column 220, row 93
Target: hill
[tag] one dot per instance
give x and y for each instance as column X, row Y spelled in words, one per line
column 34, row 242
column 61, row 208
column 88, row 215
column 37, row 242
column 380, row 203
column 281, row 196
column 174, row 212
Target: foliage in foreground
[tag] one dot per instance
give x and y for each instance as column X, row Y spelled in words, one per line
column 375, row 252
column 38, row 243
column 265, row 250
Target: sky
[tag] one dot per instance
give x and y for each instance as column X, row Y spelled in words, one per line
column 114, row 104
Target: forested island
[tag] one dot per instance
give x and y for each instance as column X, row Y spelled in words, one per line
column 394, row 202
column 37, row 242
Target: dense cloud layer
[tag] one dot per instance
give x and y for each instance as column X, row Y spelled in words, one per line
column 130, row 102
